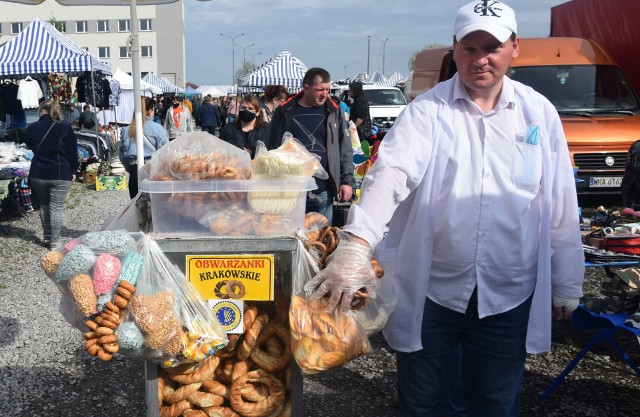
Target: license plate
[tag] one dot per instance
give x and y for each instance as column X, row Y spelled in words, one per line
column 596, row 182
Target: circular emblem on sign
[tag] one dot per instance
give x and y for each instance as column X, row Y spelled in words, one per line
column 228, row 314
column 609, row 161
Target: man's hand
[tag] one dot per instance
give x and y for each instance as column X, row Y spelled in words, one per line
column 563, row 307
column 348, row 269
column 345, row 193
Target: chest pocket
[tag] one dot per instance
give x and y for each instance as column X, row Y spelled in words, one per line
column 526, row 170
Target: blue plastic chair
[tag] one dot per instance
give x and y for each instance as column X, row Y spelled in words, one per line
column 609, row 324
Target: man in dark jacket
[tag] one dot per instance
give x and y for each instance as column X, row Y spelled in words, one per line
column 209, row 116
column 359, row 112
column 318, row 123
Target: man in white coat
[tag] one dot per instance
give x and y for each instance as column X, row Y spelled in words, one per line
column 476, row 184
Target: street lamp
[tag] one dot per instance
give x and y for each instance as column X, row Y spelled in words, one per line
column 244, row 56
column 233, row 55
column 368, row 52
column 253, row 59
column 384, row 47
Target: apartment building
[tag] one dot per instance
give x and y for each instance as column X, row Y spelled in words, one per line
column 104, row 32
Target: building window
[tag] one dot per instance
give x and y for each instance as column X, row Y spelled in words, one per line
column 103, row 26
column 103, row 52
column 145, row 25
column 124, row 25
column 145, row 52
column 0, row 28
column 61, row 26
column 81, row 26
column 16, row 28
column 124, row 52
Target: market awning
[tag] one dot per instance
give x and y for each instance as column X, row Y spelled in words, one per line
column 41, row 48
column 284, row 69
column 162, row 83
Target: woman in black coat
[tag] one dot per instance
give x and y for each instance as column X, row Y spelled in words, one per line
column 248, row 128
column 53, row 167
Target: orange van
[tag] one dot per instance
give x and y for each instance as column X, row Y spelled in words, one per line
column 599, row 110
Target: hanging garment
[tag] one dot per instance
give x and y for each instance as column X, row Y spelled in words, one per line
column 59, row 87
column 114, row 97
column 29, row 93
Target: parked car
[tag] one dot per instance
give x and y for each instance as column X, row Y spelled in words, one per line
column 385, row 103
column 599, row 109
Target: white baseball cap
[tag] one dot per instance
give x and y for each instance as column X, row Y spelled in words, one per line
column 490, row 16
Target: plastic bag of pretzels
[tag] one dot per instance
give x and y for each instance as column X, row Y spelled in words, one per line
column 324, row 338
column 166, row 320
column 199, row 156
column 96, row 275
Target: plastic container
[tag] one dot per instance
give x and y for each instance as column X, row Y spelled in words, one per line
column 228, row 207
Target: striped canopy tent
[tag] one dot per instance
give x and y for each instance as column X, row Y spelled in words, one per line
column 284, row 69
column 162, row 83
column 376, row 78
column 40, row 48
column 393, row 80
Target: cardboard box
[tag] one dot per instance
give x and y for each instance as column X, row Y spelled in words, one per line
column 111, row 182
column 228, row 207
column 89, row 177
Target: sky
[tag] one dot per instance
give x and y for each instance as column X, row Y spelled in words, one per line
column 345, row 37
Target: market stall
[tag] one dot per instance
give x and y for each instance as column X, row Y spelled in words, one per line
column 234, row 235
column 39, row 63
column 162, row 83
column 284, row 68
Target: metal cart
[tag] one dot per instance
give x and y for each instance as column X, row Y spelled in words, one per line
column 281, row 248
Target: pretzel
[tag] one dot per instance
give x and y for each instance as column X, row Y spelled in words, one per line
column 218, row 290
column 215, row 387
column 235, row 289
column 266, row 360
column 251, row 336
column 190, row 412
column 267, row 406
column 205, row 399
column 174, row 410
column 219, row 411
column 205, row 371
column 182, row 393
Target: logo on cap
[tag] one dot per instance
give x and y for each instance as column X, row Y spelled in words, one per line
column 484, row 8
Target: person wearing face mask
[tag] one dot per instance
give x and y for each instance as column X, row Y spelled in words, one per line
column 178, row 120
column 248, row 128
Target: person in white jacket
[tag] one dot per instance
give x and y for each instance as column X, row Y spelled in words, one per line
column 178, row 120
column 476, row 185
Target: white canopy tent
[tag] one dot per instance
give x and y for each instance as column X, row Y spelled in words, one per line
column 123, row 112
column 212, row 90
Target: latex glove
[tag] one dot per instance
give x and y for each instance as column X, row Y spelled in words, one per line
column 563, row 307
column 348, row 269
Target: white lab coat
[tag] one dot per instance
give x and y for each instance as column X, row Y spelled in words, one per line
column 402, row 188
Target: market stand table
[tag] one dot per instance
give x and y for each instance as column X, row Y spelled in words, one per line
column 281, row 249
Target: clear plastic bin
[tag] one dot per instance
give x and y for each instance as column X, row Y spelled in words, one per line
column 228, row 207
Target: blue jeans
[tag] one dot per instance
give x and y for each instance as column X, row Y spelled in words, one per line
column 320, row 203
column 493, row 357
